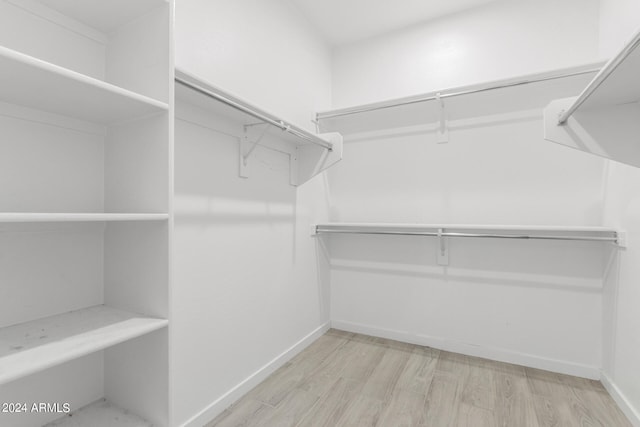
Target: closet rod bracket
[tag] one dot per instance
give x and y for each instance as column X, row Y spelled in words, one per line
column 443, row 248
column 443, row 130
column 247, row 145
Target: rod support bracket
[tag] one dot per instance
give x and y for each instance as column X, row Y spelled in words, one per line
column 247, row 145
column 442, row 136
column 443, row 248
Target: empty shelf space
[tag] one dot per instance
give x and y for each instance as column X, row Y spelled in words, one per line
column 33, row 83
column 104, row 16
column 33, row 346
column 80, row 217
column 100, row 414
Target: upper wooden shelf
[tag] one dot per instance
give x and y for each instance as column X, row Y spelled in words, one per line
column 30, row 82
column 603, row 119
column 34, row 346
column 533, row 91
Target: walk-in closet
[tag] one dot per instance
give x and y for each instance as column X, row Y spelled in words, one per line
column 219, row 213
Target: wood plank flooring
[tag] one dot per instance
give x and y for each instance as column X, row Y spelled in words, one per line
column 346, row 379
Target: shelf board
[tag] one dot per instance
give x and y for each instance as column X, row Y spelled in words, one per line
column 33, row 83
column 198, row 98
column 80, row 217
column 616, row 84
column 34, row 346
column 310, row 153
column 104, row 16
column 100, row 414
column 603, row 119
column 533, row 91
column 513, row 231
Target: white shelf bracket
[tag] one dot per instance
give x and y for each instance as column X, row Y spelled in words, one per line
column 621, row 239
column 443, row 249
column 443, row 130
column 247, row 146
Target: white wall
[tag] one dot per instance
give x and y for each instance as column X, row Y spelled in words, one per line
column 533, row 303
column 262, row 51
column 538, row 304
column 619, row 21
column 499, row 40
column 248, row 281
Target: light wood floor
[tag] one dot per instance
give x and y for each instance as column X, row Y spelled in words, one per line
column 346, row 379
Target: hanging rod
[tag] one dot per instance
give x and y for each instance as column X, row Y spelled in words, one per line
column 613, row 236
column 600, row 78
column 432, row 96
column 206, row 89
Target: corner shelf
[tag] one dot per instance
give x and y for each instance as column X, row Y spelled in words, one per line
column 526, row 92
column 80, row 217
column 30, row 82
column 100, row 414
column 309, row 153
column 34, row 346
column 603, row 119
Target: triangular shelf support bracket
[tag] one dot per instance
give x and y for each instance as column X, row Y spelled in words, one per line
column 247, row 146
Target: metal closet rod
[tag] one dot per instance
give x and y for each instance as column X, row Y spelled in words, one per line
column 613, row 239
column 247, row 110
column 600, row 78
column 444, row 94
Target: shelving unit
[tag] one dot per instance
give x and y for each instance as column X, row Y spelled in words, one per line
column 33, row 346
column 79, row 217
column 603, row 119
column 443, row 232
column 492, row 98
column 101, row 414
column 85, row 208
column 309, row 153
column 533, row 232
column 55, row 89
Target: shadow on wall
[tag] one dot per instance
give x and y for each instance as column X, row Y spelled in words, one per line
column 570, row 266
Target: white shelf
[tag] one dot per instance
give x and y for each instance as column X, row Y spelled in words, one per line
column 34, row 346
column 554, row 232
column 100, row 414
column 33, row 83
column 616, row 84
column 603, row 119
column 310, row 153
column 104, row 16
column 80, row 217
column 533, row 91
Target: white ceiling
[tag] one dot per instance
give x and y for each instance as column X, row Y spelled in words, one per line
column 345, row 21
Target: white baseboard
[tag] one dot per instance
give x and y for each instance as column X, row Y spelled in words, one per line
column 627, row 408
column 222, row 403
column 493, row 353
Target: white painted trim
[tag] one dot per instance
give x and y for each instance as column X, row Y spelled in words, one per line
column 493, row 353
column 627, row 408
column 223, row 402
